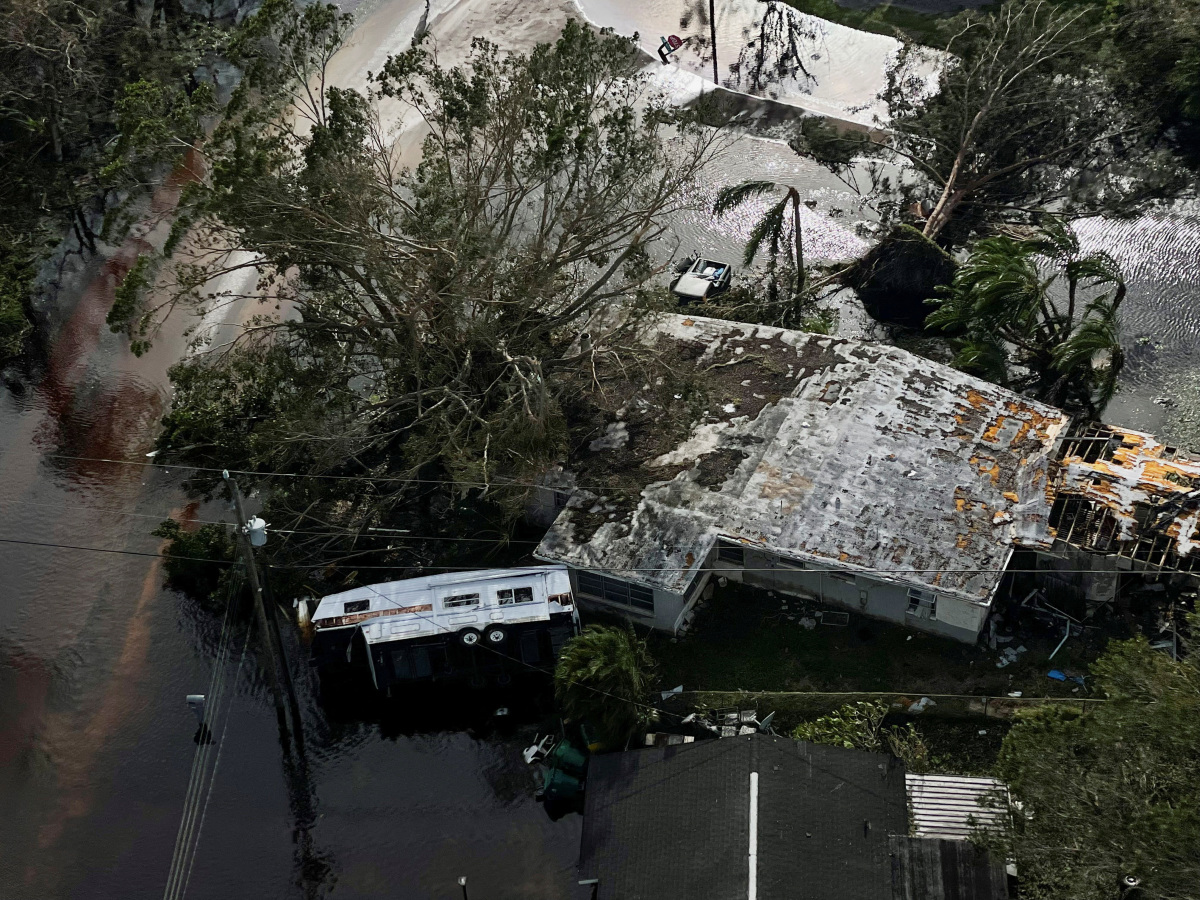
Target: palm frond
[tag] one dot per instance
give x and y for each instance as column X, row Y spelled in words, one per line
column 735, row 195
column 768, row 229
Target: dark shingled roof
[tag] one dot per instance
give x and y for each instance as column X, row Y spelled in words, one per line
column 934, row 869
column 673, row 822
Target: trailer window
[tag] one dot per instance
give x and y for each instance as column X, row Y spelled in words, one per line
column 456, row 600
column 355, row 606
column 509, row 596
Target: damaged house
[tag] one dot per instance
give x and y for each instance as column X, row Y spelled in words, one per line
column 853, row 473
column 1121, row 502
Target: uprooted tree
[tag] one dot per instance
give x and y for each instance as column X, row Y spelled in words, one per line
column 1019, row 117
column 415, row 325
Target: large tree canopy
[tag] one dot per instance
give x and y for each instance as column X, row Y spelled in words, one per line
column 418, row 320
column 88, row 90
column 1113, row 793
column 1022, row 118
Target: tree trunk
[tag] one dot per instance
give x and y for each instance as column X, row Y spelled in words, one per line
column 799, row 242
column 941, row 214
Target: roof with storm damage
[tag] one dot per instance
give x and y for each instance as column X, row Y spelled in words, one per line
column 857, row 455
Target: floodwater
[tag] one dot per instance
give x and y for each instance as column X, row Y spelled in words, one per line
column 96, row 658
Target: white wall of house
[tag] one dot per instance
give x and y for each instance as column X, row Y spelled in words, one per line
column 926, row 610
column 664, row 611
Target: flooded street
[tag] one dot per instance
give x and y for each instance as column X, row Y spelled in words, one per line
column 96, row 657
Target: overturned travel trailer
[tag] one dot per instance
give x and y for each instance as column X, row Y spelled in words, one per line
column 462, row 626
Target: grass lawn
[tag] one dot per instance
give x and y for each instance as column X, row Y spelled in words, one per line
column 746, row 639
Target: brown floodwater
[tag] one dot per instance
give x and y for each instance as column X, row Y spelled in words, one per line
column 96, row 659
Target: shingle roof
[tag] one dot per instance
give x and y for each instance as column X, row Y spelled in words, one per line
column 930, row 869
column 673, row 822
column 828, row 451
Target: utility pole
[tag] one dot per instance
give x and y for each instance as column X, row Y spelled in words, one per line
column 712, row 25
column 268, row 655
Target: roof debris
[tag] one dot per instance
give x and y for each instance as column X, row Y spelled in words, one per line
column 835, row 451
column 1123, row 492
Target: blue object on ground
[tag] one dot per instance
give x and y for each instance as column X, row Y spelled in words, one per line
column 1056, row 675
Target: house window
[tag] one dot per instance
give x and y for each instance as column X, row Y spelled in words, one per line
column 731, row 553
column 456, row 600
column 785, row 563
column 509, row 596
column 922, row 603
column 356, row 606
column 560, row 499
column 616, row 591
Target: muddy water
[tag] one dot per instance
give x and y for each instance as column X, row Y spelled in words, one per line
column 96, row 658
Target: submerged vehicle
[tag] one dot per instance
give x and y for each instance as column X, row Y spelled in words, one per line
column 470, row 626
column 698, row 278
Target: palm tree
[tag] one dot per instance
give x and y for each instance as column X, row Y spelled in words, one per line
column 603, row 677
column 770, row 228
column 1022, row 301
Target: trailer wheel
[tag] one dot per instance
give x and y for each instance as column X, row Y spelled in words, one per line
column 469, row 637
column 495, row 634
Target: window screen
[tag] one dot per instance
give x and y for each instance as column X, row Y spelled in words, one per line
column 457, row 600
column 616, row 591
column 509, row 596
column 356, row 606
column 731, row 554
column 922, row 603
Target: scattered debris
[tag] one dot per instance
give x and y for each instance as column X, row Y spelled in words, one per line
column 921, row 705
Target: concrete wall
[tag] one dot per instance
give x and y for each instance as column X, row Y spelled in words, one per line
column 668, row 607
column 953, row 618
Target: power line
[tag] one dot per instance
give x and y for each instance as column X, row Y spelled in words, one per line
column 578, row 568
column 377, row 479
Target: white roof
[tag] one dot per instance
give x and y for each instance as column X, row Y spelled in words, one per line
column 836, row 452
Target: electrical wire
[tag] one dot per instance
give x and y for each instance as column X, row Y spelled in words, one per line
column 216, row 765
column 865, row 570
column 376, row 479
column 184, row 846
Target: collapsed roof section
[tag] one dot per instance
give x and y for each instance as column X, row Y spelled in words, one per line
column 1124, row 493
column 843, row 453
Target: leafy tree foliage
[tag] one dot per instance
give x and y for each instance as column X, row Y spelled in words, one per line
column 860, row 726
column 603, row 677
column 1024, row 117
column 1115, row 792
column 1039, row 315
column 1154, row 55
column 84, row 88
column 417, row 322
